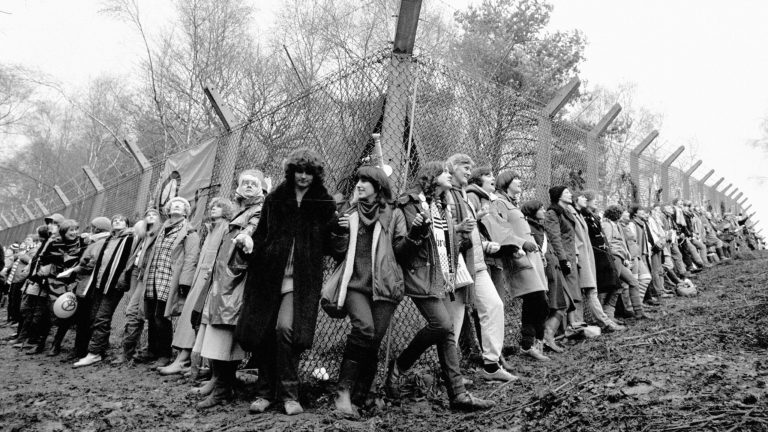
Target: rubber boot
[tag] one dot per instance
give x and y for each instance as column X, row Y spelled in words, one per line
column 347, row 380
column 209, row 386
column 57, row 339
column 550, row 326
column 223, row 386
column 365, row 379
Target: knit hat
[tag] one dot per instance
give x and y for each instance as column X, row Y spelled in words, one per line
column 151, row 210
column 15, row 246
column 102, row 223
column 56, row 218
column 555, row 193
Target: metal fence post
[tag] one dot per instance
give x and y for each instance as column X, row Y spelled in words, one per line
column 64, row 200
column 142, row 195
column 593, row 142
column 28, row 211
column 42, row 206
column 5, row 219
column 665, row 173
column 634, row 161
column 543, row 178
column 702, row 198
column 228, row 164
column 687, row 180
column 98, row 200
column 713, row 195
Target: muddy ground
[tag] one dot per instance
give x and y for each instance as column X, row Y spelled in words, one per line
column 700, row 366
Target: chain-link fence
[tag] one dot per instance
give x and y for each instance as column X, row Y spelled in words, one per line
column 423, row 111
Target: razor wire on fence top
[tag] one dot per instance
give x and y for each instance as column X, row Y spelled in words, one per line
column 422, row 110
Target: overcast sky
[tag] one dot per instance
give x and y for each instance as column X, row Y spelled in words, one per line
column 702, row 64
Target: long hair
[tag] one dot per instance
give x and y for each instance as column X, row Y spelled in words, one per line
column 378, row 178
column 427, row 180
column 227, row 208
column 306, row 160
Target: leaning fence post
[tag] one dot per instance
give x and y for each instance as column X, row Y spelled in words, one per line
column 665, row 173
column 5, row 219
column 42, row 206
column 701, row 186
column 687, row 179
column 713, row 194
column 634, row 160
column 593, row 145
column 98, row 201
column 227, row 164
column 543, row 180
column 28, row 212
column 64, row 200
column 142, row 195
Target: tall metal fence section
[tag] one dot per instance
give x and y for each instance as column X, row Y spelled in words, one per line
column 423, row 110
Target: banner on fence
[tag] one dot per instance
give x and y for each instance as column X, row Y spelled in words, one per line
column 188, row 174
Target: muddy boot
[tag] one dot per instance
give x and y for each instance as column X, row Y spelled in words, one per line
column 393, row 381
column 222, row 390
column 550, row 325
column 347, row 380
column 209, row 385
column 57, row 339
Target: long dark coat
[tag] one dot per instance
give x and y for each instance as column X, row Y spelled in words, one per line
column 561, row 230
column 557, row 297
column 605, row 272
column 284, row 224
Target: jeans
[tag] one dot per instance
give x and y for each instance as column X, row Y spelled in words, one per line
column 439, row 331
column 105, row 305
column 37, row 317
column 160, row 332
column 677, row 258
column 534, row 313
column 134, row 318
column 278, row 361
column 370, row 319
column 657, row 273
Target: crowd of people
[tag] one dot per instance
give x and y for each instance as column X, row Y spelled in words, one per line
column 460, row 243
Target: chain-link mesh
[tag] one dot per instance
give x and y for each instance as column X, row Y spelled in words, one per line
column 423, row 111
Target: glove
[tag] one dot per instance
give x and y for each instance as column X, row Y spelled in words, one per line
column 183, row 290
column 530, row 247
column 565, row 267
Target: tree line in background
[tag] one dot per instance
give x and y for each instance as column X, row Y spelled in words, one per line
column 161, row 106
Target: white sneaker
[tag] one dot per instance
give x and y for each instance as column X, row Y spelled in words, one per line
column 87, row 360
column 499, row 375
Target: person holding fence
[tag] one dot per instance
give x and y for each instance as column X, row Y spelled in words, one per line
column 170, row 269
column 560, row 226
column 221, row 307
column 481, row 295
column 106, row 286
column 220, row 213
column 285, row 276
column 637, row 244
column 557, row 299
column 588, row 277
column 30, row 292
column 145, row 233
column 37, row 293
column 85, row 313
column 64, row 257
column 367, row 237
column 430, row 259
column 523, row 268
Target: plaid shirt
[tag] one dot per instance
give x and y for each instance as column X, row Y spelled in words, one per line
column 160, row 270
